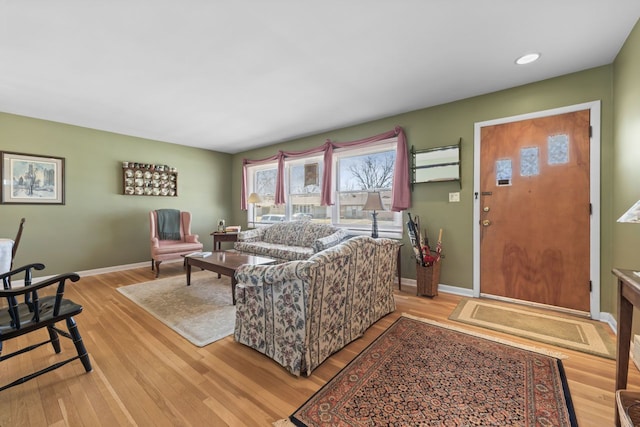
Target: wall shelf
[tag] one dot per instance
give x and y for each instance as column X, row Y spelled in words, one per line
column 437, row 164
column 149, row 180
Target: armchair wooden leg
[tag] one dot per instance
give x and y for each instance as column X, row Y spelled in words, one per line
column 158, row 268
column 77, row 341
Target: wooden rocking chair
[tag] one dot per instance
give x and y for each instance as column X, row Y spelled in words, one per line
column 16, row 242
column 39, row 312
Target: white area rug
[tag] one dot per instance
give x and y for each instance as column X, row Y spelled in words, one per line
column 202, row 313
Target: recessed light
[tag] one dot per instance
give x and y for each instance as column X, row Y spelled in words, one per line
column 528, row 58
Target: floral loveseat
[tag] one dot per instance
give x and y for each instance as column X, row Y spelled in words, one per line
column 289, row 241
column 300, row 312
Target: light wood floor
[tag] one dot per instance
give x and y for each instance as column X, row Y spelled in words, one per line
column 146, row 375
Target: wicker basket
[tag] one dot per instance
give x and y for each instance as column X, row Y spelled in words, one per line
column 427, row 279
column 628, row 403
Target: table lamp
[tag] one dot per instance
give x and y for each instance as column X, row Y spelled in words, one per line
column 632, row 216
column 374, row 203
column 252, row 200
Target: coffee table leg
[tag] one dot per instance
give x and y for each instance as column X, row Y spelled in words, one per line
column 188, row 273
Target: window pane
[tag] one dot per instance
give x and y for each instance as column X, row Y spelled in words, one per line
column 305, row 178
column 304, row 192
column 356, row 172
column 351, row 213
column 366, row 172
column 357, row 175
column 265, row 184
column 529, row 161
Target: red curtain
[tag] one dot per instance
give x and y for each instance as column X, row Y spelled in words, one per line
column 401, row 194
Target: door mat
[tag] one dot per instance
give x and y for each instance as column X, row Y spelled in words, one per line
column 575, row 333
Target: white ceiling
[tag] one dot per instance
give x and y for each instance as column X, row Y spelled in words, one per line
column 234, row 75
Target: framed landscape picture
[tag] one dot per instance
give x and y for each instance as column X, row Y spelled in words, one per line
column 32, row 179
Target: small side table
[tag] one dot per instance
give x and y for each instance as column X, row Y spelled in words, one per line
column 219, row 237
column 628, row 298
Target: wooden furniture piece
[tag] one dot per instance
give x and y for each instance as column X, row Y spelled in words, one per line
column 39, row 312
column 16, row 241
column 436, row 164
column 628, row 298
column 140, row 179
column 219, row 237
column 399, row 266
column 225, row 263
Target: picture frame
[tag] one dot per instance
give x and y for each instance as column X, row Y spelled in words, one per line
column 311, row 174
column 32, row 179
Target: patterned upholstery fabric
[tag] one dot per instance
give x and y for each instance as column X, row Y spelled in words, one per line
column 300, row 312
column 289, row 241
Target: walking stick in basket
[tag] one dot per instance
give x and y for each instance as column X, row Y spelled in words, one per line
column 439, row 246
column 415, row 240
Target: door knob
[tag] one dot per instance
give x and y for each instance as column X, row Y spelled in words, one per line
column 486, row 223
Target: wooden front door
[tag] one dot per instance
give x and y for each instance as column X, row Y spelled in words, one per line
column 535, row 210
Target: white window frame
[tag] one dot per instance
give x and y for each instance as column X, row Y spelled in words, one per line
column 394, row 231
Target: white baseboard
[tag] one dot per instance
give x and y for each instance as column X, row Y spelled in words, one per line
column 124, row 267
column 411, row 283
column 96, row 271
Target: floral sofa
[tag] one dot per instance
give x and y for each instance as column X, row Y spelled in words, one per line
column 300, row 312
column 289, row 241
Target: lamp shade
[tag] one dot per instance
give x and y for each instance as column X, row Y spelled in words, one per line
column 374, row 202
column 632, row 215
column 254, row 198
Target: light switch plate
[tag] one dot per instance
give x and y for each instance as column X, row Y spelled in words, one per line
column 454, row 197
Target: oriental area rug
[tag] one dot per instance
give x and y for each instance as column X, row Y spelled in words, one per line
column 584, row 335
column 420, row 372
column 202, row 312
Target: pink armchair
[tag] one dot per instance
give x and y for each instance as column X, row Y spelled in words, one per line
column 162, row 250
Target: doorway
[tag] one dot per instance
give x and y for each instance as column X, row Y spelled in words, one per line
column 536, row 209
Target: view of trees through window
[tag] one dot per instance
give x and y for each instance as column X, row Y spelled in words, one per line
column 357, row 176
column 356, row 173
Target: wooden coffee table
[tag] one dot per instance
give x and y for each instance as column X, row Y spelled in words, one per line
column 225, row 263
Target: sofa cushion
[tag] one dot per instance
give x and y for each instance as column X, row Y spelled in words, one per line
column 176, row 246
column 297, row 233
column 331, row 240
column 289, row 241
column 274, row 250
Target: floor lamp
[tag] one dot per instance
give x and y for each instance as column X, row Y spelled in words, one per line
column 374, row 203
column 253, row 199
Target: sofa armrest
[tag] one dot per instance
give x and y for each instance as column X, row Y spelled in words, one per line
column 271, row 305
column 251, row 235
column 155, row 243
column 329, row 241
column 278, row 274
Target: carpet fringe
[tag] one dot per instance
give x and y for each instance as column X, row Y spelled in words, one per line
column 534, row 349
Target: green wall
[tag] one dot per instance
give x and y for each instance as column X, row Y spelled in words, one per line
column 98, row 226
column 626, row 155
column 446, row 124
column 96, row 218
